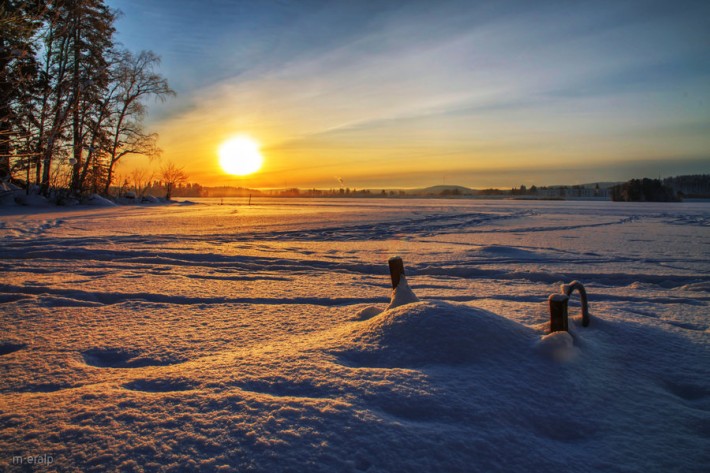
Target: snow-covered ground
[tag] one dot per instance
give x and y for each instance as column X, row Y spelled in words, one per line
column 255, row 338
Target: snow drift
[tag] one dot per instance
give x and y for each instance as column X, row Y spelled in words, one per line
column 429, row 332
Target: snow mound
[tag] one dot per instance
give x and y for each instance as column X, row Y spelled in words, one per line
column 438, row 332
column 149, row 199
column 367, row 313
column 99, row 201
column 31, row 200
column 559, row 346
column 8, row 193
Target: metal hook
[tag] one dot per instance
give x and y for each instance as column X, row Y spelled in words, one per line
column 567, row 289
column 559, row 306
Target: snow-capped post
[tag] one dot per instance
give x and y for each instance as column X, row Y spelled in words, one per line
column 567, row 290
column 401, row 292
column 396, row 270
column 558, row 312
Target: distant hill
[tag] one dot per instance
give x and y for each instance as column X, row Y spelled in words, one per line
column 442, row 190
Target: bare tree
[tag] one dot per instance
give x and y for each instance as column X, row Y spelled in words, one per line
column 172, row 176
column 136, row 80
column 141, row 180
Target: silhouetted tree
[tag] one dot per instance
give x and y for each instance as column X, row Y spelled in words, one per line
column 136, row 80
column 172, row 176
column 696, row 185
column 67, row 96
column 141, row 179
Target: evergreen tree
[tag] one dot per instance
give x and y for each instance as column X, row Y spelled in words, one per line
column 643, row 190
column 18, row 79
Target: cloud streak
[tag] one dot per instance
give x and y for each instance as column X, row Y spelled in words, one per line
column 504, row 86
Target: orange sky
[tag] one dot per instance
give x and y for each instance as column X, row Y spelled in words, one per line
column 411, row 96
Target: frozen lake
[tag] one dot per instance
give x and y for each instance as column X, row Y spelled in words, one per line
column 200, row 336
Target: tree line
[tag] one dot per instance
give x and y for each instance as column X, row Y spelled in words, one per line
column 643, row 190
column 694, row 185
column 72, row 100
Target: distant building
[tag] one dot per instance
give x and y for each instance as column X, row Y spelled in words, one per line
column 574, row 192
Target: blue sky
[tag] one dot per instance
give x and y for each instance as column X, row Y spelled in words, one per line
column 413, row 93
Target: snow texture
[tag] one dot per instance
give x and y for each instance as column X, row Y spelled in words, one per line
column 235, row 337
column 402, row 294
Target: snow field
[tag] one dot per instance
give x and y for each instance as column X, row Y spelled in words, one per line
column 236, row 338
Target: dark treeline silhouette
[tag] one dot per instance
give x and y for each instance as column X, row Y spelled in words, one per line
column 141, row 184
column 643, row 190
column 695, row 185
column 72, row 101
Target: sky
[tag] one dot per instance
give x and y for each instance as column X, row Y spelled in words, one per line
column 418, row 93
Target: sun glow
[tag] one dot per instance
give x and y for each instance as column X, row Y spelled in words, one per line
column 240, row 156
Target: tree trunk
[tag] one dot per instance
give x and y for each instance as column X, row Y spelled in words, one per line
column 5, row 112
column 109, row 176
column 76, row 118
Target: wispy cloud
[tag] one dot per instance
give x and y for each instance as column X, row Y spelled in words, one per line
column 480, row 84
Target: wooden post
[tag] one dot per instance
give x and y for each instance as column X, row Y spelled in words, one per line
column 558, row 312
column 396, row 270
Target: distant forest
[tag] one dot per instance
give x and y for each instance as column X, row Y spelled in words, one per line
column 668, row 189
column 692, row 186
column 643, row 190
column 672, row 189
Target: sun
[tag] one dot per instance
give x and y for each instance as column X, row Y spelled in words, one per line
column 240, row 156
